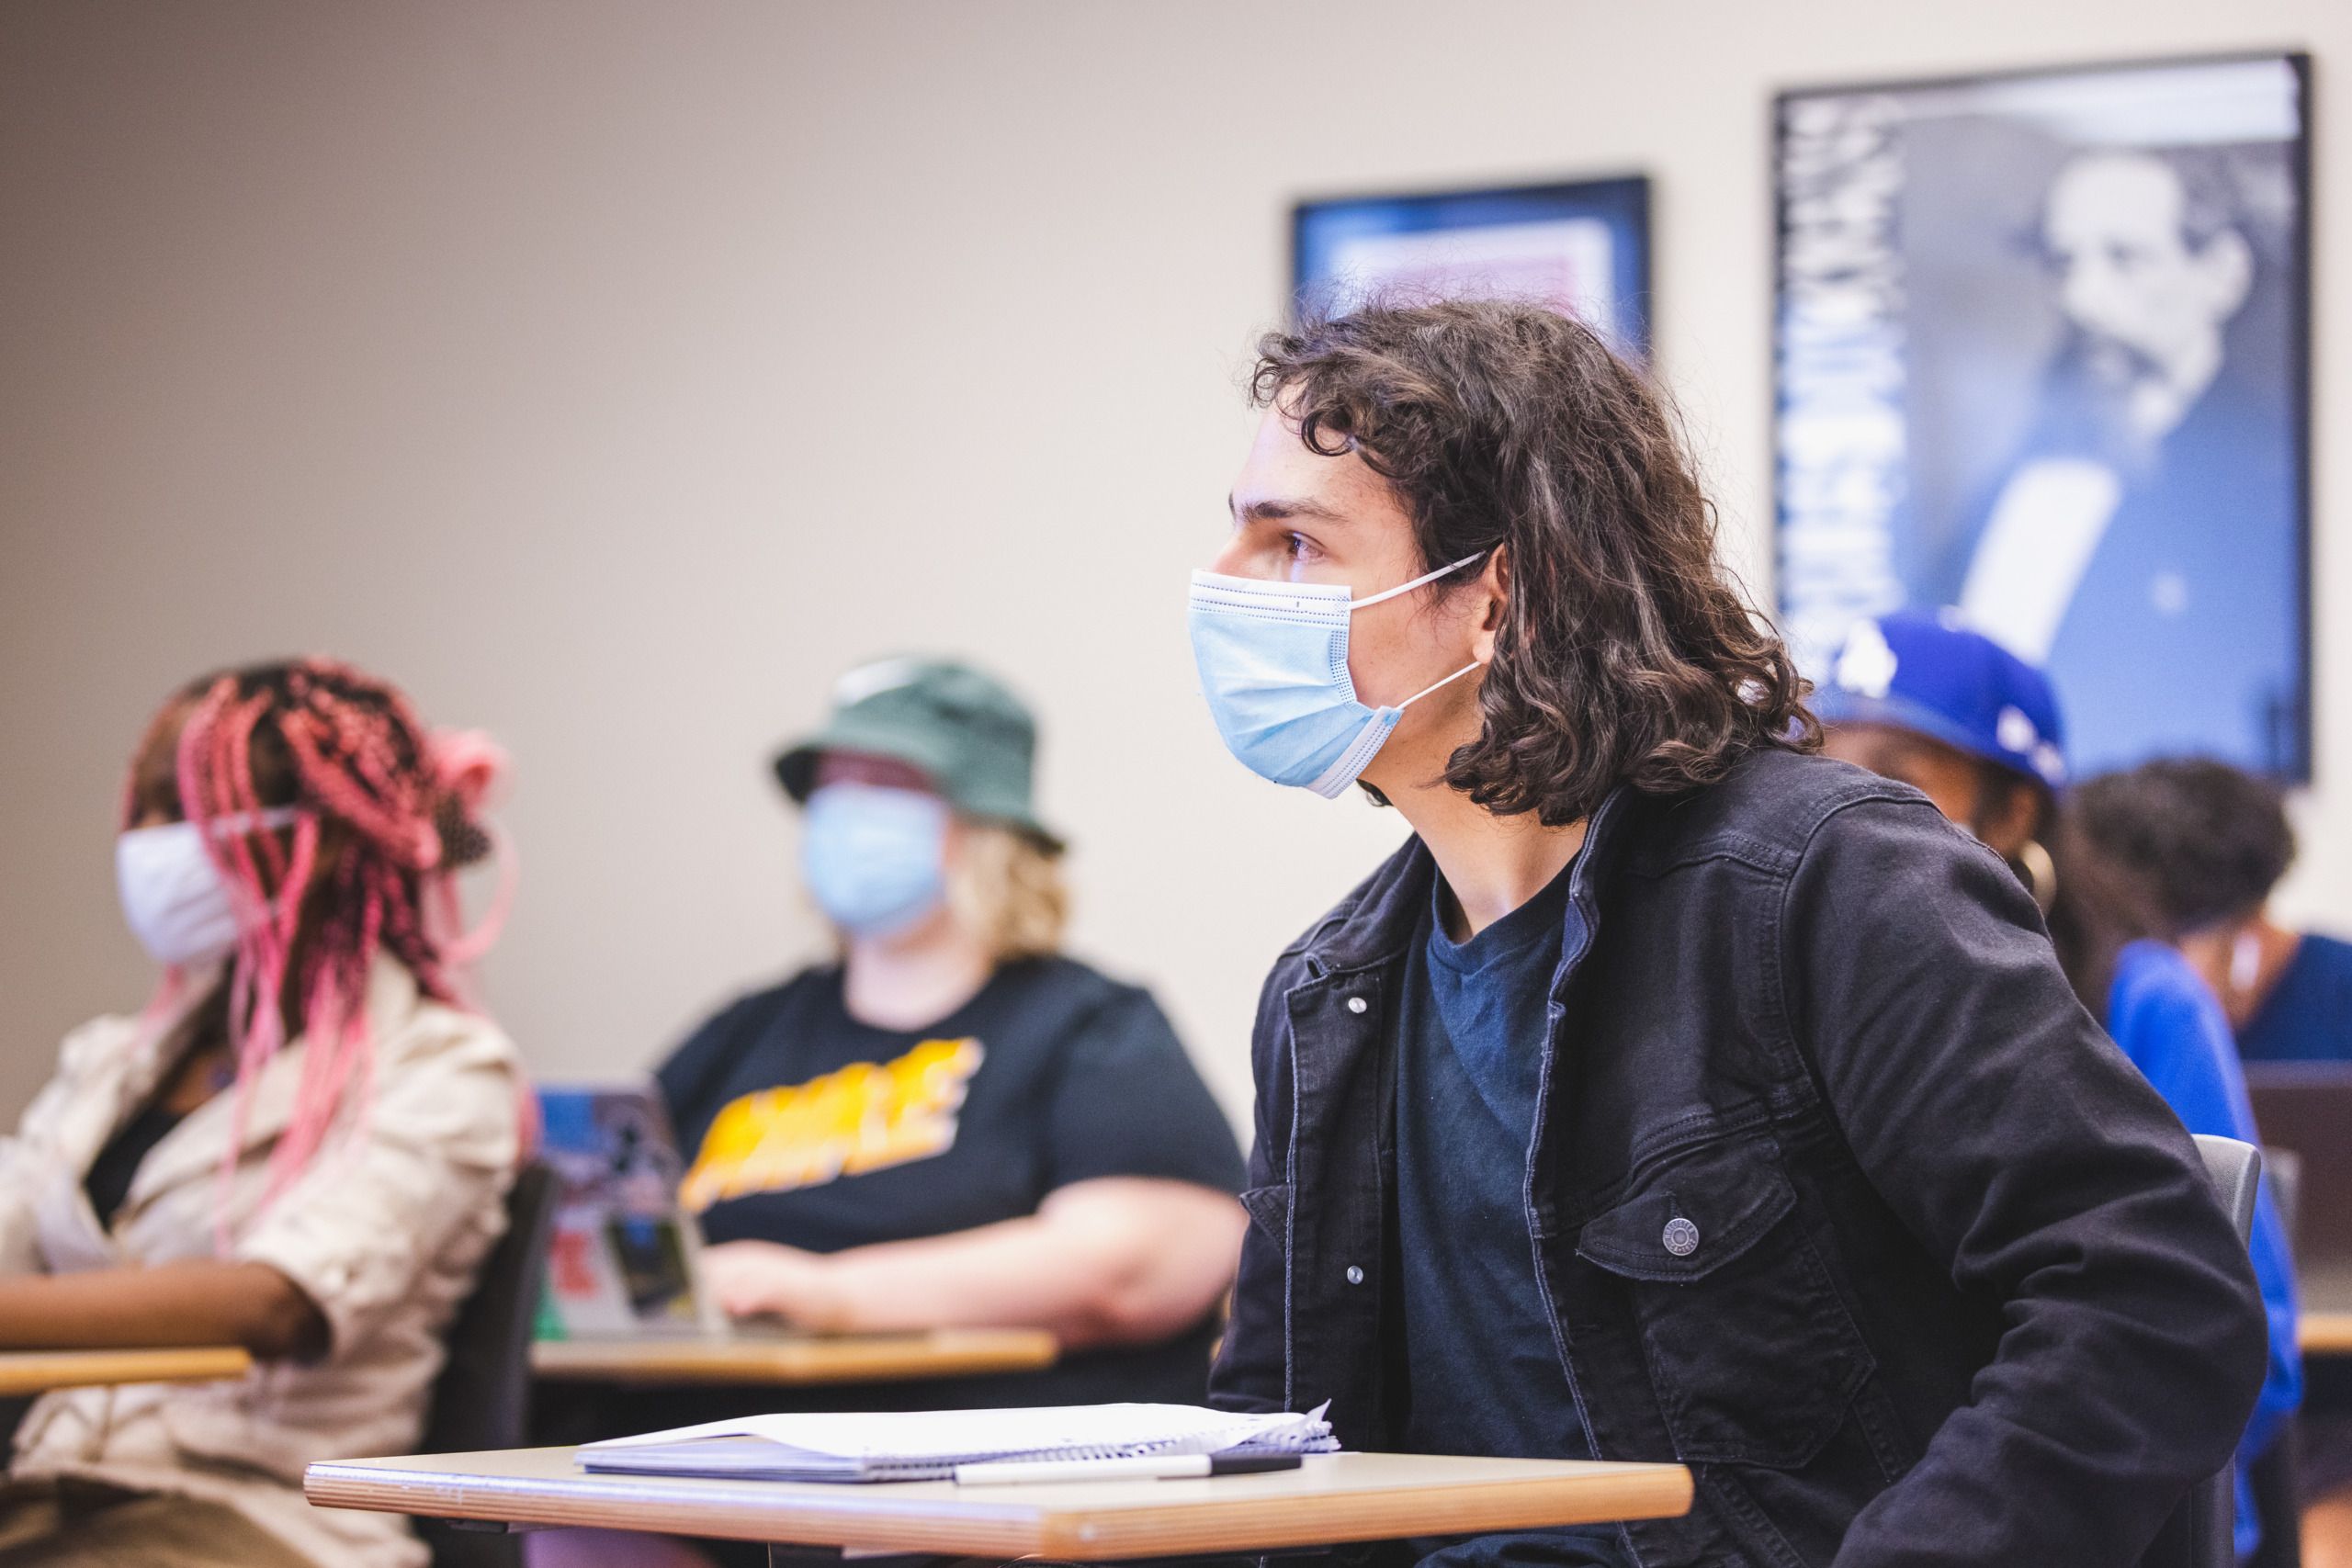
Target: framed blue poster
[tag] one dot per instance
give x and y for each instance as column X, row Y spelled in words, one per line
column 2041, row 361
column 1582, row 248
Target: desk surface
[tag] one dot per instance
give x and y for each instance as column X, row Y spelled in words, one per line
column 2325, row 1333
column 2323, row 1325
column 37, row 1371
column 1331, row 1498
column 784, row 1359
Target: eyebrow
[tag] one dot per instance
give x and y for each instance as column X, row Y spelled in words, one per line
column 1274, row 510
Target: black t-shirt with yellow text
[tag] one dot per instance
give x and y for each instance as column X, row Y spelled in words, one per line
column 804, row 1126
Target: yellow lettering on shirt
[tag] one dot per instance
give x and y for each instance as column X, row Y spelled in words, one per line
column 863, row 1117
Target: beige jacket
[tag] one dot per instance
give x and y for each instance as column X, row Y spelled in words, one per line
column 384, row 1232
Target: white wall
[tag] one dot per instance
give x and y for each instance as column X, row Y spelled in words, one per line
column 613, row 374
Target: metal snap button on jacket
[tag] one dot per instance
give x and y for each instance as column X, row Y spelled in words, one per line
column 1355, row 1275
column 1357, row 1004
column 1681, row 1236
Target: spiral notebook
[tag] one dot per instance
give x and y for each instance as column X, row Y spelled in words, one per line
column 927, row 1444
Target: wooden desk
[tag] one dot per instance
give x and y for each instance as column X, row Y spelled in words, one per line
column 2325, row 1333
column 38, row 1371
column 783, row 1358
column 2324, row 1324
column 1331, row 1498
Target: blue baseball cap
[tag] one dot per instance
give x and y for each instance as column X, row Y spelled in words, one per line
column 1931, row 675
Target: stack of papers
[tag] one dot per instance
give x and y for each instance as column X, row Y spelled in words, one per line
column 927, row 1444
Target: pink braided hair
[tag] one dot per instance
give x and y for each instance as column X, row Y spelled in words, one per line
column 366, row 869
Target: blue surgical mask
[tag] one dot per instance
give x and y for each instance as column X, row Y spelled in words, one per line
column 874, row 859
column 1273, row 663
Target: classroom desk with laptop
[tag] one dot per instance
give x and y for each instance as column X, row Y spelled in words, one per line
column 626, row 1305
column 625, row 1300
column 26, row 1372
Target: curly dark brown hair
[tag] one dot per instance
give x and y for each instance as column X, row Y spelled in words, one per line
column 2207, row 842
column 1627, row 654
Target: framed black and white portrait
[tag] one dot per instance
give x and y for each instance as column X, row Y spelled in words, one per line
column 2041, row 358
column 1582, row 248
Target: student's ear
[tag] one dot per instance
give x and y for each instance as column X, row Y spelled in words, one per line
column 2010, row 816
column 1494, row 587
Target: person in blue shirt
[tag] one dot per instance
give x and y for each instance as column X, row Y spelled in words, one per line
column 1926, row 700
column 2208, row 842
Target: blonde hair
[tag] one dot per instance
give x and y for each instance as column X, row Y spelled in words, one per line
column 1007, row 888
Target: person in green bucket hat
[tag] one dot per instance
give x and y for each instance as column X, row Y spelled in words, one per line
column 961, row 729
column 950, row 1124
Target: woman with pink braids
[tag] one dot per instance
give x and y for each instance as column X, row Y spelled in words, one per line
column 300, row 1146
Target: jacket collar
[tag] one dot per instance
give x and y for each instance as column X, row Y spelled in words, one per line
column 197, row 1146
column 1377, row 922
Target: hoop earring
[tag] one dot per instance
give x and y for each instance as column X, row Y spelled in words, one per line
column 2039, row 872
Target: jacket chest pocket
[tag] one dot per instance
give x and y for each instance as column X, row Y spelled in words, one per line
column 1753, row 1355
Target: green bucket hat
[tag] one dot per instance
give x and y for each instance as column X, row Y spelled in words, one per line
column 971, row 737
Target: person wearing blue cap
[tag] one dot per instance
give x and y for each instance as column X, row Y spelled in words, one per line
column 1968, row 724
column 1926, row 700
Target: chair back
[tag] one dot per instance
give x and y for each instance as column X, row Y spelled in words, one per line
column 2237, row 1172
column 2278, row 1497
column 2278, row 1502
column 483, row 1397
column 2284, row 1171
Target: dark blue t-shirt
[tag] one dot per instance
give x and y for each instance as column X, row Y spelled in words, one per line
column 1482, row 1372
column 2308, row 1016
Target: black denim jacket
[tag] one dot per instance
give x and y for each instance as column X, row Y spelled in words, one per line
column 1838, row 1194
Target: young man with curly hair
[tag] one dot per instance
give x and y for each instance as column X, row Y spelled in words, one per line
column 1674, row 1092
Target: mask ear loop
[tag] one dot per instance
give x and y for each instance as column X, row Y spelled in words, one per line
column 1372, row 737
column 1449, row 681
column 1407, row 588
column 1427, row 576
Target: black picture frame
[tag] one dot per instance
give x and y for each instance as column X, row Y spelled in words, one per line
column 1322, row 229
column 2219, row 660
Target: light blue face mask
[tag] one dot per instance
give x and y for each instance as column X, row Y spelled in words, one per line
column 874, row 859
column 1273, row 663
